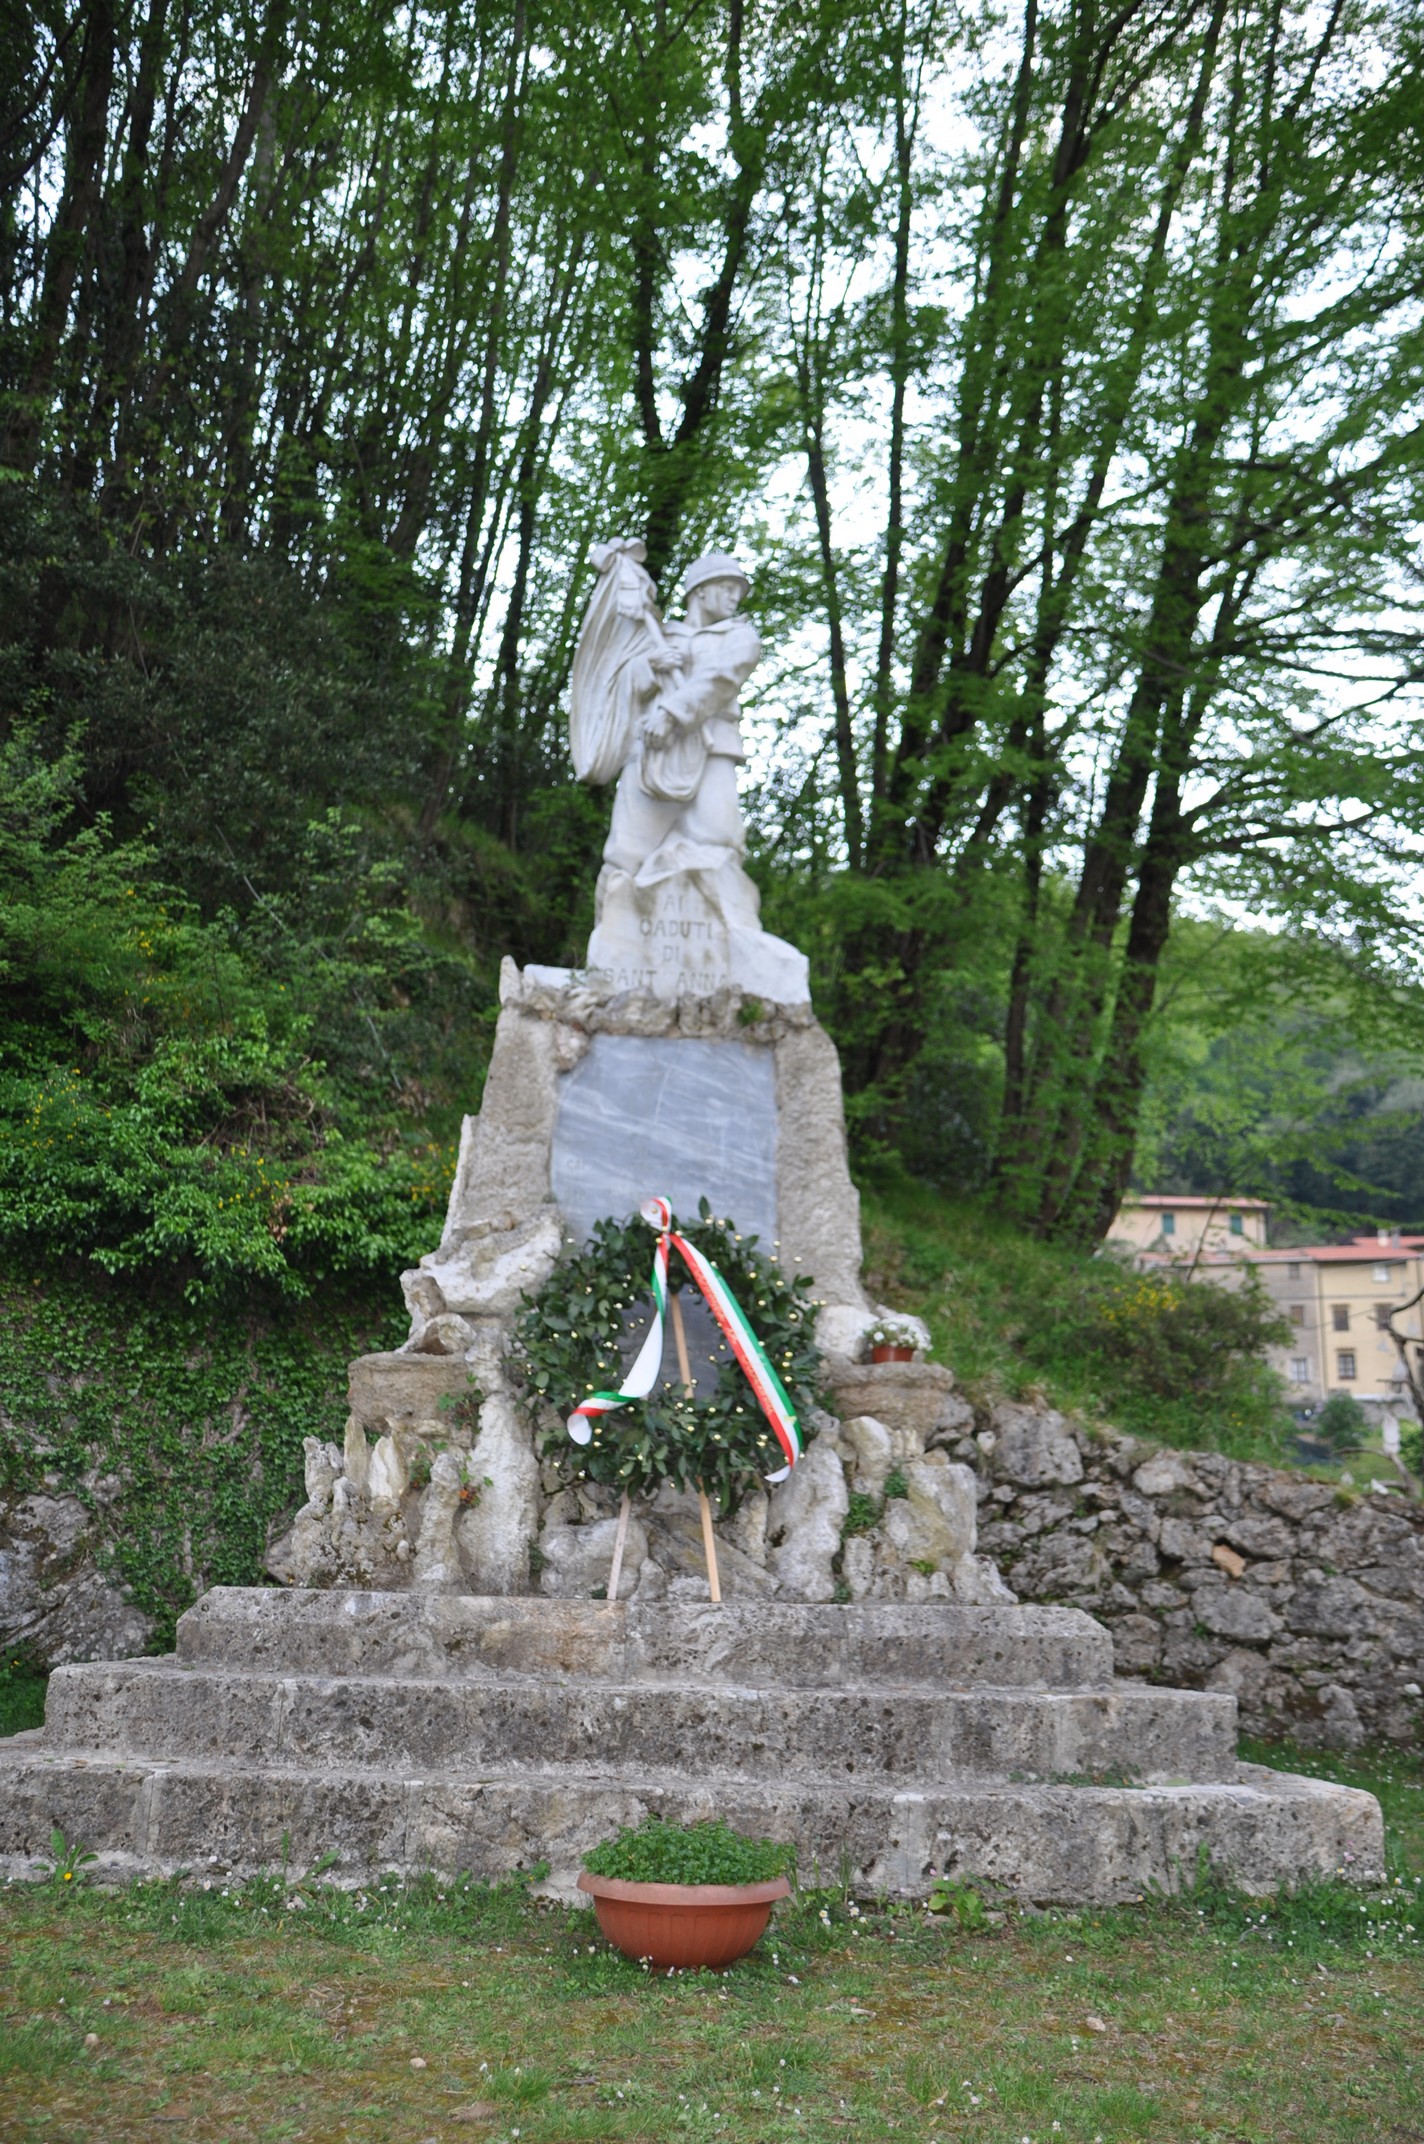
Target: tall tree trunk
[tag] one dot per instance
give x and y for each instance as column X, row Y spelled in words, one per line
column 906, row 127
column 70, row 233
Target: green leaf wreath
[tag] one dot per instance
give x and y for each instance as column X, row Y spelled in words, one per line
column 573, row 1339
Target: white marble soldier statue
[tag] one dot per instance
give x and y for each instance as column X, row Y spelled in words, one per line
column 656, row 704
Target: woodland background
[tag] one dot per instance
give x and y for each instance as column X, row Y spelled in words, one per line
column 1056, row 369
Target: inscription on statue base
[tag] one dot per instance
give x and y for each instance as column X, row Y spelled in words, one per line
column 672, row 940
column 666, row 938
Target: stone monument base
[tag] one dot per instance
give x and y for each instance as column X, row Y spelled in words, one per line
column 598, row 1097
column 889, row 1742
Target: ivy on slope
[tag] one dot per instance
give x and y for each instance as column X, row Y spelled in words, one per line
column 179, row 1429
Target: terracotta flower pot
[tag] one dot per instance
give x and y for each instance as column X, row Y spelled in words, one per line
column 708, row 1924
column 887, row 1351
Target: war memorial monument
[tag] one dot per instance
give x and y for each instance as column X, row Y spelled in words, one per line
column 435, row 1679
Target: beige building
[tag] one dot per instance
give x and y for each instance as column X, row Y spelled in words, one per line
column 1335, row 1295
column 1184, row 1229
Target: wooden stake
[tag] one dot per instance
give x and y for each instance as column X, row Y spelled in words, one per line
column 709, row 1544
column 618, row 1541
column 680, row 1336
column 709, row 1539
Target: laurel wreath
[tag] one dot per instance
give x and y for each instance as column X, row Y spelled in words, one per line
column 579, row 1333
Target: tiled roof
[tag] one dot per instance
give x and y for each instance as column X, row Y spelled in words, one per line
column 1364, row 1252
column 1162, row 1198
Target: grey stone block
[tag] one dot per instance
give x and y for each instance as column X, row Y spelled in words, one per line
column 819, row 1205
column 502, row 1174
column 1033, row 1447
column 1053, row 1845
column 913, row 1398
column 1233, row 1612
column 1331, row 1608
column 397, row 1387
column 409, row 1730
column 798, row 1645
column 159, row 1710
column 53, row 1599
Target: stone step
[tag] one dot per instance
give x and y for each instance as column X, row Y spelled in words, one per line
column 1049, row 1844
column 171, row 1711
column 934, row 1644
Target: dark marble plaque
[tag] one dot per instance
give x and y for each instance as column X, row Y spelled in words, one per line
column 641, row 1114
column 707, row 1348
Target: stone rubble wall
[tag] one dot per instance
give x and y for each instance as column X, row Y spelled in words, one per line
column 57, row 1602
column 446, row 1503
column 1305, row 1600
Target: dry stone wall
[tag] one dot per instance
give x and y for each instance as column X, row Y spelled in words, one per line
column 1305, row 1601
column 56, row 1601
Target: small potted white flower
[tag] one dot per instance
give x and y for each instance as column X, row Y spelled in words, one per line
column 892, row 1339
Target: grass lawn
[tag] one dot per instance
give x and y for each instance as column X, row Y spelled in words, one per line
column 405, row 2013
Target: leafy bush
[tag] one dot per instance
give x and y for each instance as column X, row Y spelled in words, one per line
column 1171, row 1339
column 1181, row 1361
column 707, row 1852
column 161, row 1110
column 1411, row 1447
column 22, row 1692
column 1341, row 1423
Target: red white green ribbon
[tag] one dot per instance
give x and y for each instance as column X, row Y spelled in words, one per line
column 755, row 1363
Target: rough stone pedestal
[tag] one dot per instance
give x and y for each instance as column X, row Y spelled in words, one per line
column 597, row 1097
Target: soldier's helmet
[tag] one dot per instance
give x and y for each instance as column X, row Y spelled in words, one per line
column 714, row 566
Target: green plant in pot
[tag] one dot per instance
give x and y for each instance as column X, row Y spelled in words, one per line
column 685, row 1894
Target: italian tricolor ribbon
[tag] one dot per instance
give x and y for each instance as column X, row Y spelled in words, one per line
column 755, row 1363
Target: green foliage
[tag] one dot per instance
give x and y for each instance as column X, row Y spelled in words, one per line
column 1285, row 1068
column 862, row 1514
column 950, row 1896
column 1313, row 1918
column 300, row 477
column 22, row 1693
column 895, row 1484
column 707, row 1852
column 586, row 1325
column 1341, row 1423
column 181, row 1433
column 1167, row 1339
column 1165, row 1357
column 889, row 957
column 1411, row 1447
column 161, row 1110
